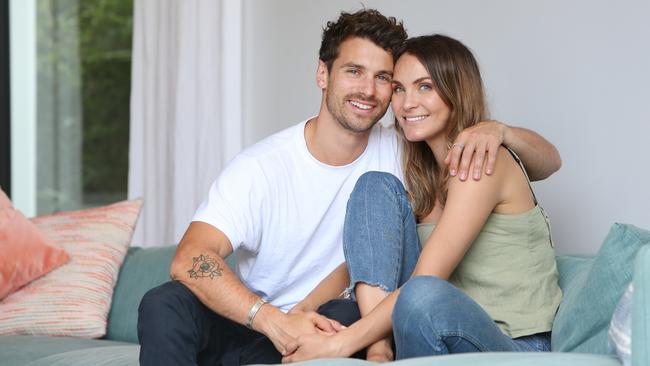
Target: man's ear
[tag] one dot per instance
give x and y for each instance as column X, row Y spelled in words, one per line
column 321, row 75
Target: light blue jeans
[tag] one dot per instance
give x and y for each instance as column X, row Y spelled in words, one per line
column 431, row 316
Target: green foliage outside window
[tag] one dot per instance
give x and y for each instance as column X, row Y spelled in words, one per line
column 84, row 77
column 105, row 44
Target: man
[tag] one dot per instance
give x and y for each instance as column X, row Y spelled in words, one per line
column 280, row 206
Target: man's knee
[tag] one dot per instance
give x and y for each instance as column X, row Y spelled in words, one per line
column 345, row 312
column 170, row 299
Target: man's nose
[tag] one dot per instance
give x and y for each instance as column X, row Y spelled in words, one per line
column 368, row 87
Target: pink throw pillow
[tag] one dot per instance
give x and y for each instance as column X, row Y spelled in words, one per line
column 25, row 253
column 74, row 300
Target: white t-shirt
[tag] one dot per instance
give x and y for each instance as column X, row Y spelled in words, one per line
column 283, row 210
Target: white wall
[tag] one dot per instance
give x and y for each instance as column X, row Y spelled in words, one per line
column 577, row 72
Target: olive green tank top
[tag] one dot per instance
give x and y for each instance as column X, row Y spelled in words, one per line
column 510, row 270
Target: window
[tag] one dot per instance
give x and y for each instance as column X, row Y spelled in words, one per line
column 72, row 151
column 5, row 113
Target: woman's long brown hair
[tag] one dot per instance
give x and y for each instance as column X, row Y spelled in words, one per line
column 455, row 76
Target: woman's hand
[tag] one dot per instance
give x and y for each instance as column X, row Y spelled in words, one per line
column 284, row 329
column 310, row 346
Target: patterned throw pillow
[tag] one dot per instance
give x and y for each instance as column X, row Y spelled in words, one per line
column 25, row 253
column 74, row 300
column 620, row 328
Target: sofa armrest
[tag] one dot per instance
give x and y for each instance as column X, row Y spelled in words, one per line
column 641, row 309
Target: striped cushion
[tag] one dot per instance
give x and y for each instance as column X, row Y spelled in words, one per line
column 74, row 299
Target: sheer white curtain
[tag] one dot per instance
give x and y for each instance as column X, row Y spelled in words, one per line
column 185, row 108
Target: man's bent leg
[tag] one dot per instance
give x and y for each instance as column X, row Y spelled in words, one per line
column 344, row 311
column 175, row 328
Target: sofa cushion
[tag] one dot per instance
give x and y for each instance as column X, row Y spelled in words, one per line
column 52, row 351
column 499, row 359
column 21, row 350
column 127, row 355
column 74, row 299
column 143, row 269
column 569, row 268
column 591, row 294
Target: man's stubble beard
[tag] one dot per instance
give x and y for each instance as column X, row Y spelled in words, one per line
column 336, row 110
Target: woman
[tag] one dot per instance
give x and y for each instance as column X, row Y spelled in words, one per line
column 485, row 278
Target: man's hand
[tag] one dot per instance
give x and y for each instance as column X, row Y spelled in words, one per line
column 310, row 346
column 476, row 142
column 283, row 329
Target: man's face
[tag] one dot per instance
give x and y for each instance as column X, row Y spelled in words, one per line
column 358, row 87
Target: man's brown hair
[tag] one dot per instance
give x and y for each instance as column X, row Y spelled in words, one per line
column 370, row 24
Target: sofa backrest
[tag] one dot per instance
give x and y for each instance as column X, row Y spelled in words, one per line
column 142, row 270
column 146, row 268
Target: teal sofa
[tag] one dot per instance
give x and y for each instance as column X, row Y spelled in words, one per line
column 146, row 268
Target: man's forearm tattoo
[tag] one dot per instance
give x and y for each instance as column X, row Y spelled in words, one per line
column 203, row 266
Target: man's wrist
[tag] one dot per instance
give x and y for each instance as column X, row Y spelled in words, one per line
column 266, row 316
column 253, row 312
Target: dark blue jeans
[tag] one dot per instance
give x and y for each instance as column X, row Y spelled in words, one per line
column 175, row 328
column 431, row 316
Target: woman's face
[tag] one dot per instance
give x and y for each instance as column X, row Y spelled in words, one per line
column 419, row 110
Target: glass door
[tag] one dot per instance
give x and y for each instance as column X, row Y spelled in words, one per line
column 70, row 83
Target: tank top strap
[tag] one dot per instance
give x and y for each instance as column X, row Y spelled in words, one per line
column 521, row 165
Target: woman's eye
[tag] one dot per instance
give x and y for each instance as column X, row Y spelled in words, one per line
column 425, row 87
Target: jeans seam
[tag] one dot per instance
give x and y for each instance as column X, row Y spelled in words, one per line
column 404, row 210
column 465, row 336
column 398, row 260
column 396, row 264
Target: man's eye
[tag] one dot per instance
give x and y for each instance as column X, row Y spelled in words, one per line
column 385, row 78
column 397, row 89
column 354, row 71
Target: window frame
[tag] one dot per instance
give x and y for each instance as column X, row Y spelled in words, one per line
column 5, row 100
